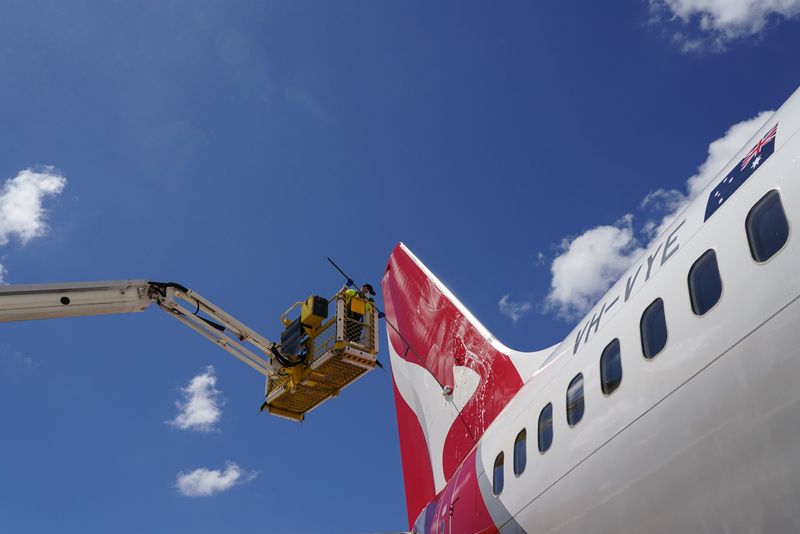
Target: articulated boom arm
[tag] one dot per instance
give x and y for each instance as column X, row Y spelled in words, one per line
column 50, row 301
column 327, row 354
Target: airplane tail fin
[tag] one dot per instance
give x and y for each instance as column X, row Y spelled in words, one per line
column 451, row 376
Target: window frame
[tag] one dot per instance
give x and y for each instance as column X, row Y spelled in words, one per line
column 621, row 373
column 524, row 448
column 641, row 330
column 499, row 459
column 777, row 191
column 579, row 376
column 539, row 429
column 689, row 282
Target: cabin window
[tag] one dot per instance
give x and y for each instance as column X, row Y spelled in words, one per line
column 705, row 284
column 497, row 478
column 767, row 227
column 546, row 427
column 520, row 454
column 610, row 368
column 575, row 404
column 653, row 329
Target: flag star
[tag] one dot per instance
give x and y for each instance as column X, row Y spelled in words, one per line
column 716, row 193
column 756, row 161
column 720, row 200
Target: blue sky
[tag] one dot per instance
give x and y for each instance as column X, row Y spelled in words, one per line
column 232, row 146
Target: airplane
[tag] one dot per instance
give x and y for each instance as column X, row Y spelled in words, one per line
column 673, row 406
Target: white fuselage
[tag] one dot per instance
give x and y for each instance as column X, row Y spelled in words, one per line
column 705, row 437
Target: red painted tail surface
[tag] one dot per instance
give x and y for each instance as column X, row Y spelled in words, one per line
column 440, row 344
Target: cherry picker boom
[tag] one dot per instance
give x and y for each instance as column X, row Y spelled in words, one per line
column 317, row 357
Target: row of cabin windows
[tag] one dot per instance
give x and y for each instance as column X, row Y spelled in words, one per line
column 767, row 232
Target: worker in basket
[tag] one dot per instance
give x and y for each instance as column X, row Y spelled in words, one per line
column 355, row 325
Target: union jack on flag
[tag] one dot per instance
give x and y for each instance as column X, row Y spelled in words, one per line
column 757, row 149
column 740, row 173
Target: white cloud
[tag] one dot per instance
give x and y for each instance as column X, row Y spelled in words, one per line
column 587, row 265
column 21, row 211
column 204, row 482
column 720, row 152
column 712, row 24
column 15, row 359
column 200, row 409
column 513, row 310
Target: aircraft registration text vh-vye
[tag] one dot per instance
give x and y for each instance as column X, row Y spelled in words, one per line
column 672, row 407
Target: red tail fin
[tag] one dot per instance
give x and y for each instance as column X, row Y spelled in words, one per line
column 440, row 344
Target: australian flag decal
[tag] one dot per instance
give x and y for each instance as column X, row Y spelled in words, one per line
column 741, row 172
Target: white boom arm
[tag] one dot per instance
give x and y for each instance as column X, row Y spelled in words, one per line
column 50, row 301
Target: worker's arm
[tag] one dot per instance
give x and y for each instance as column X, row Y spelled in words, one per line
column 50, row 301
